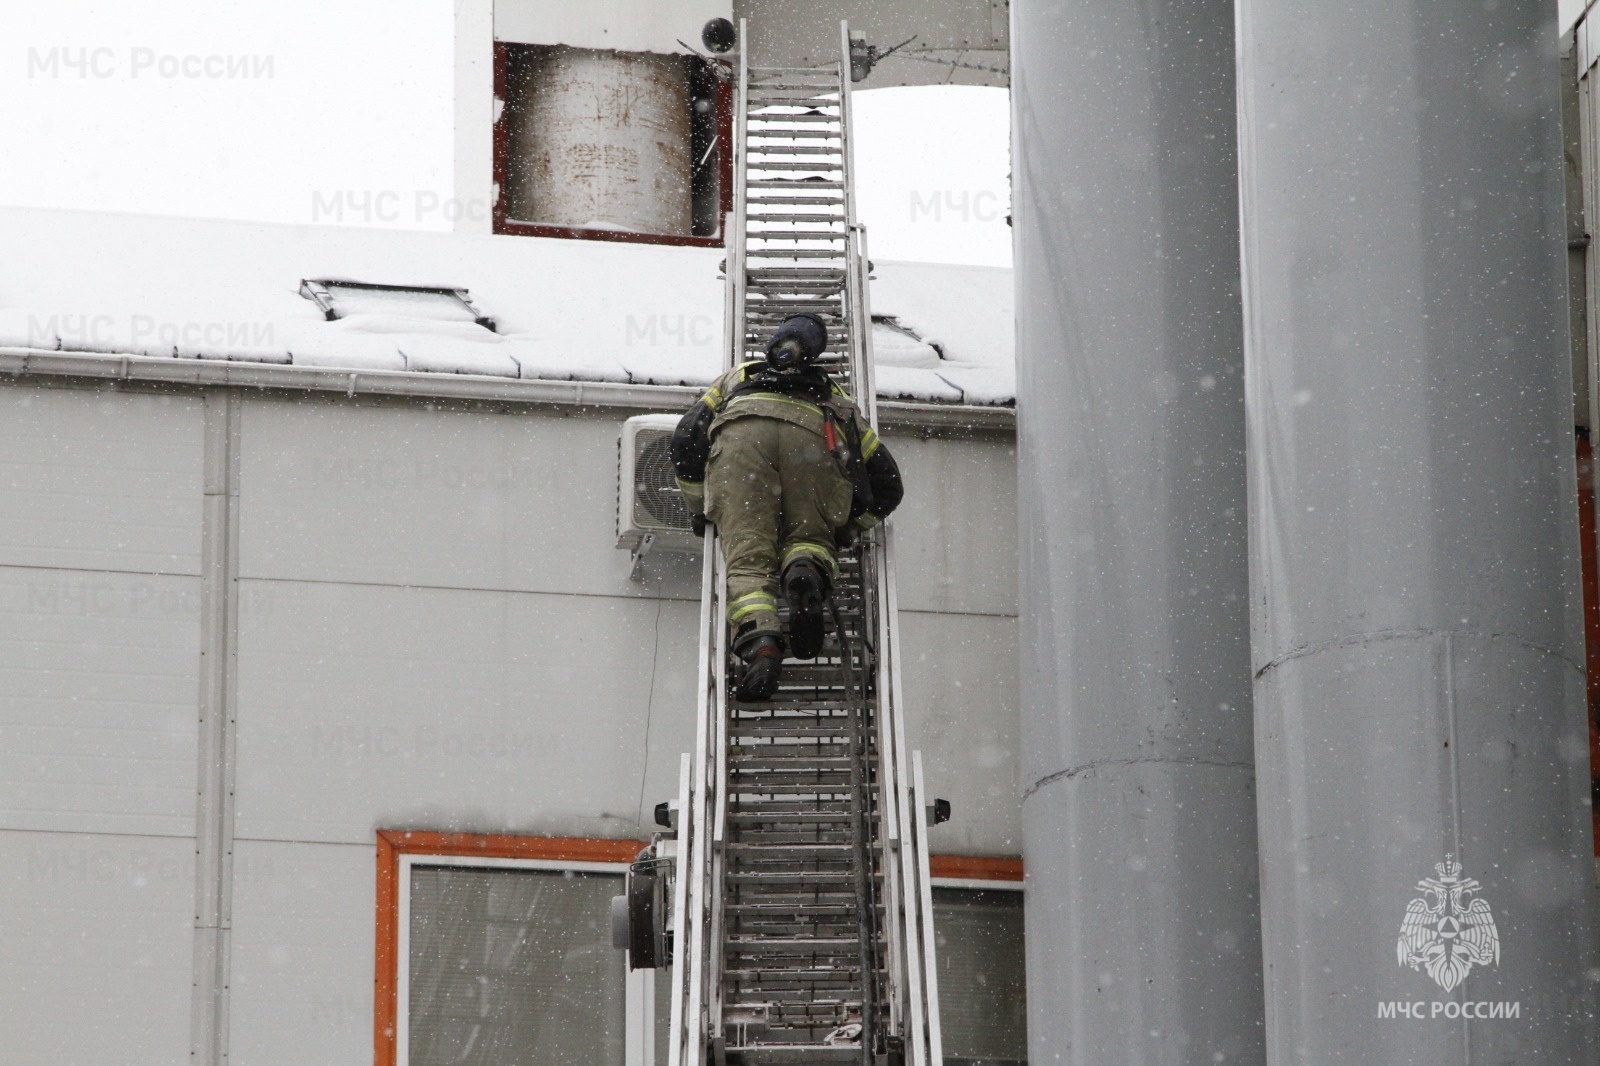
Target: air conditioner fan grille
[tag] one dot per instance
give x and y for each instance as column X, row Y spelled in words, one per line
column 656, row 494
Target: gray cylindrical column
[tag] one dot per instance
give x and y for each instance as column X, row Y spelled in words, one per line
column 1415, row 587
column 1138, row 807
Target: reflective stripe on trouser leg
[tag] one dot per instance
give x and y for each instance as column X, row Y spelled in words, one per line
column 822, row 554
column 743, row 498
column 752, row 606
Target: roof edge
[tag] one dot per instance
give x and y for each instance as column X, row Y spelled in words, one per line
column 166, row 370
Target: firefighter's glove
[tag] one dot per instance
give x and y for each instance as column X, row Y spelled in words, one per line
column 698, row 524
column 846, row 537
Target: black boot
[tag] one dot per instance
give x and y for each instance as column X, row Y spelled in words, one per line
column 805, row 586
column 763, row 661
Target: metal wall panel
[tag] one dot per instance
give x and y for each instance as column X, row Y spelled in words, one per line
column 527, row 501
column 363, row 707
column 101, row 481
column 98, row 675
column 97, row 939
column 956, row 533
column 406, row 496
column 367, row 706
column 960, row 682
column 304, row 921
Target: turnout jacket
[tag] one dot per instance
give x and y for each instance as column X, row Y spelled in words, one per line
column 809, row 399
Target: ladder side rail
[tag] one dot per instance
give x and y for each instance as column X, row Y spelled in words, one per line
column 909, row 899
column 889, row 844
column 856, row 264
column 860, row 802
column 855, row 285
column 718, row 855
column 687, row 1046
column 930, row 981
column 901, row 947
column 680, row 886
column 906, row 901
column 863, row 311
column 716, row 741
column 880, row 624
column 890, row 783
column 735, row 232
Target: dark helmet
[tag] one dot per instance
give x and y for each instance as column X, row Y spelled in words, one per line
column 797, row 343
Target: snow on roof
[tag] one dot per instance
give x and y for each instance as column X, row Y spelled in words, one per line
column 564, row 309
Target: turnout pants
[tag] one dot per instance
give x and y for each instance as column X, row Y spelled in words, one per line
column 776, row 495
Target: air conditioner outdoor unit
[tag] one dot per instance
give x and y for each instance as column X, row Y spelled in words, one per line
column 651, row 513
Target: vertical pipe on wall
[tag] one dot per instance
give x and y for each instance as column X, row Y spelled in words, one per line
column 1138, row 808
column 1415, row 591
column 219, row 629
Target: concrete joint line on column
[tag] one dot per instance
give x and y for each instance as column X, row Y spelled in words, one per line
column 1380, row 636
column 219, row 630
column 1096, row 764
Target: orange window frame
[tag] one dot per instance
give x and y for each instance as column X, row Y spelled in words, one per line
column 394, row 843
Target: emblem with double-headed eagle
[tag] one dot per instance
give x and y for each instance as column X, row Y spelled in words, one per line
column 1445, row 933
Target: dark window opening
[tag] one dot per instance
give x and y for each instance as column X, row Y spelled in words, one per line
column 983, row 1000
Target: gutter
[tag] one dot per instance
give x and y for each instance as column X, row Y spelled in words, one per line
column 197, row 373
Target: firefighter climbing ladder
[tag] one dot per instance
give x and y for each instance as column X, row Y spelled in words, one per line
column 801, row 914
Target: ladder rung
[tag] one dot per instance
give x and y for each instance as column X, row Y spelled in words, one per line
column 813, row 97
column 801, row 167
column 775, row 878
column 794, row 945
column 797, row 184
column 808, row 134
column 793, row 253
column 750, row 764
column 794, row 149
column 795, row 217
column 761, row 909
column 796, row 234
column 816, row 68
column 766, row 75
column 808, row 117
column 806, row 201
column 779, row 806
column 835, row 749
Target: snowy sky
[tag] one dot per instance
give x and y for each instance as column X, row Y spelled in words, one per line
column 235, row 109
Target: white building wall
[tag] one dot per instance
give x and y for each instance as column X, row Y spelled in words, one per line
column 99, row 626
column 435, row 632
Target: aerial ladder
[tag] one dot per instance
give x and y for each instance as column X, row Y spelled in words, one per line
column 789, row 890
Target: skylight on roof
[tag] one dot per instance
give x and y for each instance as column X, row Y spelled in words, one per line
column 346, row 299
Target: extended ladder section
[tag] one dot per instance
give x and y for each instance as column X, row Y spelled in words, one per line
column 801, row 917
